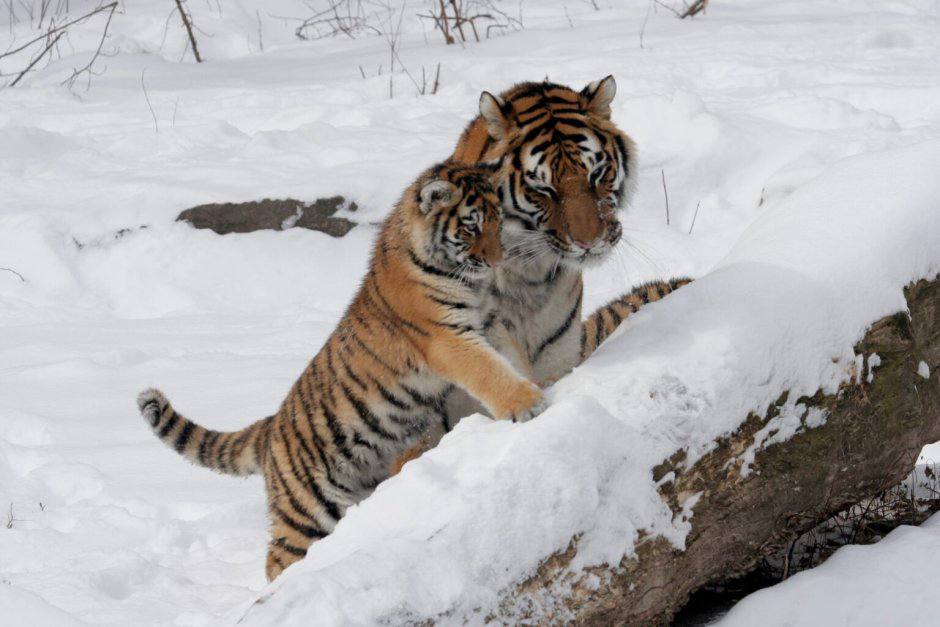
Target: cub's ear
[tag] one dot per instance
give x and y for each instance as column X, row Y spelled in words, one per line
column 598, row 95
column 493, row 110
column 438, row 194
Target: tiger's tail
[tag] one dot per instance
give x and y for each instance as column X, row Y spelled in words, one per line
column 600, row 324
column 233, row 452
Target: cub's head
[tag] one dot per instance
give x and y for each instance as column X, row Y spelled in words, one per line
column 564, row 169
column 456, row 219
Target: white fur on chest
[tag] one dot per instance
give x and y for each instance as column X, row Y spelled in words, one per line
column 539, row 306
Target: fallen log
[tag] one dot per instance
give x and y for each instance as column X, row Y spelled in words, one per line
column 874, row 429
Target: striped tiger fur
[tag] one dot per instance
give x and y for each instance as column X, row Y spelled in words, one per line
column 563, row 170
column 606, row 319
column 413, row 332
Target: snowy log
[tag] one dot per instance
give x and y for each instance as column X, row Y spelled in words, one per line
column 793, row 379
column 875, row 426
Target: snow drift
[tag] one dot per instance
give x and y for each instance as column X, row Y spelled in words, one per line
column 892, row 582
column 451, row 535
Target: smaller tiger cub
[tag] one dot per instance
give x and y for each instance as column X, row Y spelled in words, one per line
column 413, row 332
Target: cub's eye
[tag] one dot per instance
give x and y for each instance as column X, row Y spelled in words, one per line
column 599, row 173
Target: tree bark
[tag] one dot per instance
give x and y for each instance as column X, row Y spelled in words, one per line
column 870, row 441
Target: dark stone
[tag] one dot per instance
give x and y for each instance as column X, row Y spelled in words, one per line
column 245, row 217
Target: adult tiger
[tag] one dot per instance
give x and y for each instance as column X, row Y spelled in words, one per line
column 562, row 172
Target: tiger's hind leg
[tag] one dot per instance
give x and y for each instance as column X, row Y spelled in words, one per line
column 301, row 513
column 292, row 533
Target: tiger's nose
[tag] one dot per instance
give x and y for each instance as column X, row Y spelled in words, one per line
column 587, row 245
column 601, row 240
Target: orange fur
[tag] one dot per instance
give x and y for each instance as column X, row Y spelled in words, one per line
column 414, row 330
column 563, row 169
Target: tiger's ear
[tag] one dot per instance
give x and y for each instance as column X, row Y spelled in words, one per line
column 598, row 95
column 438, row 194
column 493, row 110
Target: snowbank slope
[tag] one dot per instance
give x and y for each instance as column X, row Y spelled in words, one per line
column 457, row 528
column 890, row 583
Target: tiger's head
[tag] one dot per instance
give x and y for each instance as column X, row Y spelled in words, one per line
column 564, row 170
column 456, row 219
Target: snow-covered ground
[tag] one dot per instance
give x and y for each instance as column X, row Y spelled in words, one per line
column 889, row 583
column 738, row 110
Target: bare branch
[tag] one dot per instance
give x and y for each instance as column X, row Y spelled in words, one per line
column 645, row 20
column 156, row 127
column 37, row 59
column 450, row 17
column 695, row 215
column 94, row 57
column 107, row 7
column 666, row 195
column 188, row 23
column 698, row 6
column 16, row 273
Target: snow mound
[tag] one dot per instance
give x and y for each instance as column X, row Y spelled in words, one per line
column 451, row 535
column 25, row 608
column 892, row 582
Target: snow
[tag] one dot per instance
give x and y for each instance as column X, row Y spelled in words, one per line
column 888, row 583
column 923, row 370
column 874, row 360
column 798, row 246
column 458, row 524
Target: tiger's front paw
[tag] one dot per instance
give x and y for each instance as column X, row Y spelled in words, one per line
column 526, row 415
column 525, row 404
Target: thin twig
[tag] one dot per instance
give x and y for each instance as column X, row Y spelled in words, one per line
column 60, row 27
column 16, row 273
column 668, row 8
column 666, row 195
column 187, row 22
column 437, row 79
column 37, row 59
column 87, row 67
column 645, row 20
column 695, row 215
column 260, row 34
column 156, row 127
column 694, row 9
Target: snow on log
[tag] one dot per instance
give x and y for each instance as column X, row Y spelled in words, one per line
column 714, row 426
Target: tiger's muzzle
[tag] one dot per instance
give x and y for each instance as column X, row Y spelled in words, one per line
column 584, row 227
